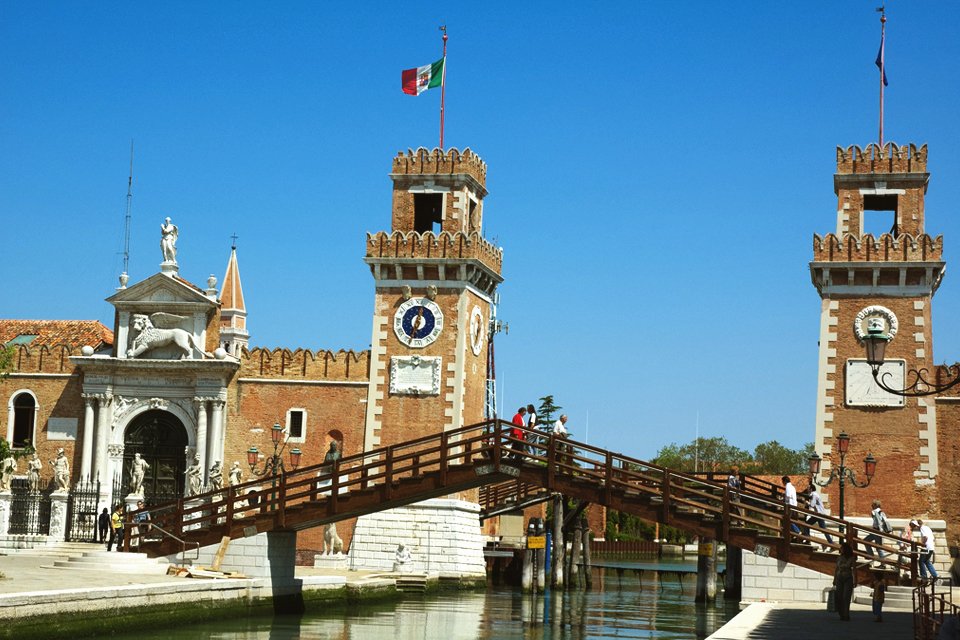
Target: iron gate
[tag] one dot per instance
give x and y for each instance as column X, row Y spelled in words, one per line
column 29, row 510
column 82, row 512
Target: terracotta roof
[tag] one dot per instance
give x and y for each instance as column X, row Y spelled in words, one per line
column 76, row 333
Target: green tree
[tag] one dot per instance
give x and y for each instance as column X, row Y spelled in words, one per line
column 703, row 454
column 6, row 361
column 774, row 458
column 546, row 410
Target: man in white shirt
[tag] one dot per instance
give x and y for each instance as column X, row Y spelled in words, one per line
column 790, row 499
column 559, row 429
column 815, row 503
column 926, row 551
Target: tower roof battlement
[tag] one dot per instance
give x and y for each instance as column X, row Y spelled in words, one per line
column 883, row 248
column 445, row 245
column 439, row 162
column 890, row 158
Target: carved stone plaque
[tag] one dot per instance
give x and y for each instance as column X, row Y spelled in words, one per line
column 862, row 389
column 415, row 375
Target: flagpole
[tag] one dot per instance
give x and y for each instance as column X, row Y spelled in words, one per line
column 883, row 29
column 443, row 82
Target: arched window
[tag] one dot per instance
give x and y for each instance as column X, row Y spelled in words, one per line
column 24, row 419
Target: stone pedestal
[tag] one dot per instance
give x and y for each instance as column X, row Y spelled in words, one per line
column 6, row 500
column 131, row 501
column 58, row 516
column 331, row 561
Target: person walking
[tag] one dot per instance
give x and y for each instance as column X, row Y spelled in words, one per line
column 103, row 525
column 879, row 524
column 844, row 578
column 879, row 593
column 815, row 503
column 733, row 482
column 142, row 522
column 790, row 501
column 927, row 552
column 116, row 533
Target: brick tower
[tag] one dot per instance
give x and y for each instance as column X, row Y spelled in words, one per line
column 435, row 278
column 892, row 277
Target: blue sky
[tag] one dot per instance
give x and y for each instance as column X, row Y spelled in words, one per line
column 656, row 174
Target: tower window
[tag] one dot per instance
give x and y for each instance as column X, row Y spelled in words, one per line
column 427, row 212
column 885, row 218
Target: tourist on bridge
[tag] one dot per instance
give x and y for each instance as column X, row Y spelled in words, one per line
column 926, row 551
column 815, row 503
column 790, row 501
column 879, row 524
column 844, row 578
column 517, row 433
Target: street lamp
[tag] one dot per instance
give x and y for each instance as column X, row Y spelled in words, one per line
column 842, row 473
column 273, row 465
column 875, row 343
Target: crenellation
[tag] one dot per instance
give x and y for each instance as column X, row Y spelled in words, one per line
column 885, row 248
column 891, row 158
column 304, row 363
column 44, row 359
column 451, row 162
column 445, row 245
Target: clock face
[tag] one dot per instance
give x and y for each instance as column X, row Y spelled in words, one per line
column 418, row 322
column 476, row 330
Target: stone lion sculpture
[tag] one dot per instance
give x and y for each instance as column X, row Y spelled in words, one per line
column 159, row 330
column 331, row 539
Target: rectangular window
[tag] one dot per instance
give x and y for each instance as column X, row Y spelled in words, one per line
column 297, row 424
column 427, row 212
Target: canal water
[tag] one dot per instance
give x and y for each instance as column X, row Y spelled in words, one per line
column 627, row 607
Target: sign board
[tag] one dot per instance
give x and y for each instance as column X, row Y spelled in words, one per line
column 762, row 550
column 536, row 542
column 705, row 549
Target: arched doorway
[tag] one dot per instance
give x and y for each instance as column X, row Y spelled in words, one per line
column 161, row 439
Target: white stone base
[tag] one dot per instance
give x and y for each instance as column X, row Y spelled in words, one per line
column 771, row 580
column 265, row 555
column 442, row 534
column 331, row 561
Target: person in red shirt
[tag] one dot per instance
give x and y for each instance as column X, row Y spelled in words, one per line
column 517, row 433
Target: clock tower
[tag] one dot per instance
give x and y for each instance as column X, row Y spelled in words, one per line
column 435, row 277
column 887, row 279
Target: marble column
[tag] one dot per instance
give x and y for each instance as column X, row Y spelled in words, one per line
column 202, row 435
column 58, row 515
column 86, row 458
column 103, row 439
column 216, row 433
column 6, row 501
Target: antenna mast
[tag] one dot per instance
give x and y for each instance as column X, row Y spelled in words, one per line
column 495, row 327
column 126, row 229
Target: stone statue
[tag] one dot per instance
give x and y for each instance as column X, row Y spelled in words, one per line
column 402, row 561
column 61, row 470
column 331, row 539
column 216, row 476
column 7, row 468
column 168, row 241
column 236, row 474
column 333, row 454
column 139, row 469
column 33, row 473
column 194, row 475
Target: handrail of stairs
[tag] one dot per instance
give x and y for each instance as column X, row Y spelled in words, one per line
column 183, row 543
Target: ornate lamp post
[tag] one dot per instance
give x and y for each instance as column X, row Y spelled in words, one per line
column 876, row 344
column 273, row 464
column 842, row 473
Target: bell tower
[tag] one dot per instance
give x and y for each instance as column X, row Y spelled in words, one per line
column 890, row 277
column 435, row 277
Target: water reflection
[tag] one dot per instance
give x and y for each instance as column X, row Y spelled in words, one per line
column 622, row 609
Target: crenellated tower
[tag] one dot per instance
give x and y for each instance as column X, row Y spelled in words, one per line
column 893, row 277
column 435, row 276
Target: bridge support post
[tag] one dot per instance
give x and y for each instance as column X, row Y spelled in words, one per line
column 556, row 580
column 527, row 577
column 575, row 555
column 706, row 570
column 732, row 578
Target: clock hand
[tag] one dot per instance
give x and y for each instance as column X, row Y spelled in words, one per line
column 415, row 326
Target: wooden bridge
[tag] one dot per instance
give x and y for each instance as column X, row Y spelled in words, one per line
column 513, row 473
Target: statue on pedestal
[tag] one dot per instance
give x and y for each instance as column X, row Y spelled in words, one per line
column 168, row 241
column 235, row 474
column 194, row 474
column 139, row 470
column 402, row 561
column 33, row 473
column 61, row 471
column 7, row 468
column 331, row 539
column 216, row 476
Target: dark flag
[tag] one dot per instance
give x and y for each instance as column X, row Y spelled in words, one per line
column 880, row 64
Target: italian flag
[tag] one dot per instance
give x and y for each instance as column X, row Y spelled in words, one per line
column 416, row 81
